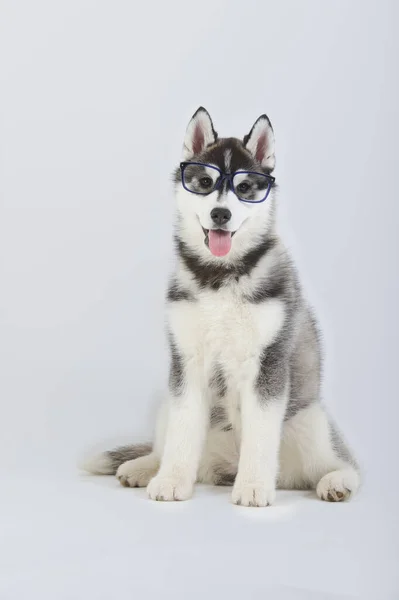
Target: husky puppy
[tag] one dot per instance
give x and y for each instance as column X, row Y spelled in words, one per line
column 243, row 407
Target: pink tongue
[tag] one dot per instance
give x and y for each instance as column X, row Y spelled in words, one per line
column 219, row 242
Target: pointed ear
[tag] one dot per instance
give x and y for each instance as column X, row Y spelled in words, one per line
column 260, row 143
column 200, row 133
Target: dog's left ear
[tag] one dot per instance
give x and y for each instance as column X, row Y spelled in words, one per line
column 200, row 133
column 260, row 143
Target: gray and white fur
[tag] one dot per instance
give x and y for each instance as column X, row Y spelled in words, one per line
column 243, row 406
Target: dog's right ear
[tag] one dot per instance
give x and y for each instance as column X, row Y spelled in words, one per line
column 200, row 133
column 260, row 143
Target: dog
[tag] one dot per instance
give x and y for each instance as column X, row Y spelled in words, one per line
column 243, row 407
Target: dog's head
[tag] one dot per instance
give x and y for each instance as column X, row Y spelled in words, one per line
column 224, row 188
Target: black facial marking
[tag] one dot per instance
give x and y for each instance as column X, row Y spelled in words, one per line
column 218, row 382
column 240, row 159
column 176, row 373
column 177, row 293
column 223, row 189
column 176, row 175
column 214, row 275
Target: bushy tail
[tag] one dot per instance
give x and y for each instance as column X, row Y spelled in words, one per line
column 107, row 463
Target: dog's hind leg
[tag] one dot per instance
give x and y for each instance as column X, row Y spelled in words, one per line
column 138, row 472
column 136, row 464
column 314, row 456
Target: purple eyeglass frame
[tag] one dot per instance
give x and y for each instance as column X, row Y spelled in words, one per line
column 229, row 177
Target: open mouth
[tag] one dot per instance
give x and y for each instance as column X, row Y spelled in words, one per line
column 218, row 241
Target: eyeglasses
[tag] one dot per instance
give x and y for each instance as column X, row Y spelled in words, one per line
column 203, row 179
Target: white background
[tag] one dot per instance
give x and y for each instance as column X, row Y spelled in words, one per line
column 95, row 98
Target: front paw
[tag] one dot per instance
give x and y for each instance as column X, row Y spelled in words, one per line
column 253, row 494
column 168, row 489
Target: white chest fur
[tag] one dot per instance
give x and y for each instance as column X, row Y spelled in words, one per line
column 220, row 327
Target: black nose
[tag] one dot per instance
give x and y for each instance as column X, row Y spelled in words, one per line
column 220, row 216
